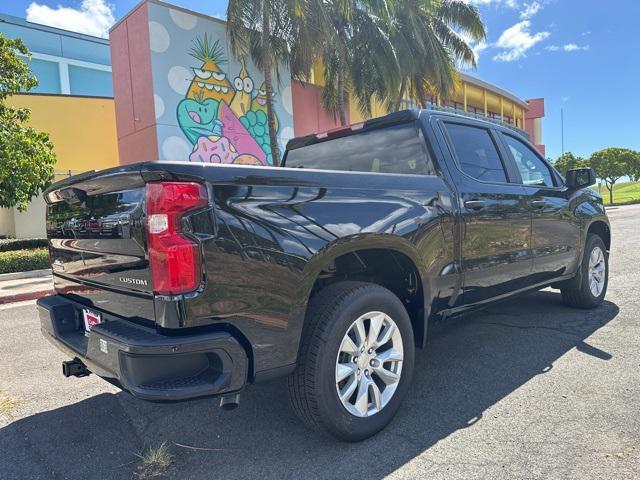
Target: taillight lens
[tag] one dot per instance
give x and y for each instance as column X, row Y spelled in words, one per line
column 174, row 257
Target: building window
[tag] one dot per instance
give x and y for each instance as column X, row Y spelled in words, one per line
column 47, row 74
column 88, row 81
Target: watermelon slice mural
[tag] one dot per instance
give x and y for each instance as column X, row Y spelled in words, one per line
column 225, row 122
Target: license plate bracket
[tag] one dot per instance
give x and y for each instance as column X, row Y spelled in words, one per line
column 91, row 319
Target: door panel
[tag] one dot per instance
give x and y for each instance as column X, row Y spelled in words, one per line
column 555, row 241
column 496, row 255
column 496, row 219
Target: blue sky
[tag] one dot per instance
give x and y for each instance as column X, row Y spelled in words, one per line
column 580, row 55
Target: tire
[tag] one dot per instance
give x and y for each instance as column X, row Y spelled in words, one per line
column 313, row 387
column 578, row 292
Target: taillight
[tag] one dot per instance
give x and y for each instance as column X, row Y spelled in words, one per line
column 174, row 257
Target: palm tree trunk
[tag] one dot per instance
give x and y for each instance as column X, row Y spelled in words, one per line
column 268, row 80
column 403, row 87
column 341, row 100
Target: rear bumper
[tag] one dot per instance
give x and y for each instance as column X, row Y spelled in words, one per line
column 150, row 365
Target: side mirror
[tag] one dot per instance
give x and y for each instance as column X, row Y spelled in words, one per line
column 581, row 178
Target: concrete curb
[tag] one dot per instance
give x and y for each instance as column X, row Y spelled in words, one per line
column 21, row 297
column 21, row 275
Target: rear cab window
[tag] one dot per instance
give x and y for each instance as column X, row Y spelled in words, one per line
column 476, row 152
column 397, row 149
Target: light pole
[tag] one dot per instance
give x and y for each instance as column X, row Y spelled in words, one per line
column 562, row 127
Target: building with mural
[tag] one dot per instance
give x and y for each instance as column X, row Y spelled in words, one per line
column 73, row 103
column 181, row 94
column 166, row 86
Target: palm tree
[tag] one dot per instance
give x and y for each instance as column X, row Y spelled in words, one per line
column 353, row 39
column 430, row 38
column 386, row 50
column 271, row 33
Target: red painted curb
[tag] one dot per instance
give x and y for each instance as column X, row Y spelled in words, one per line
column 21, row 297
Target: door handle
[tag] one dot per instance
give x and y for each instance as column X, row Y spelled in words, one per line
column 538, row 203
column 474, row 204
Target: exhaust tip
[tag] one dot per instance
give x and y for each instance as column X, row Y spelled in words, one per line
column 230, row 402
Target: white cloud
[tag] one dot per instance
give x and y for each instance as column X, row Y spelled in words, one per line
column 572, row 47
column 94, row 17
column 569, row 47
column 530, row 10
column 508, row 3
column 516, row 40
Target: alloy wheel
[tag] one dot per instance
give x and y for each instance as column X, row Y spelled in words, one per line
column 369, row 364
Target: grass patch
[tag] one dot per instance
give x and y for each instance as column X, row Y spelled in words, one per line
column 24, row 260
column 155, row 462
column 623, row 193
column 7, row 403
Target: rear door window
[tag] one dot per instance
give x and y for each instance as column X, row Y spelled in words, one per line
column 476, row 152
column 395, row 149
column 533, row 170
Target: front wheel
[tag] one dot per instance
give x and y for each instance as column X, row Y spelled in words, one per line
column 588, row 289
column 356, row 361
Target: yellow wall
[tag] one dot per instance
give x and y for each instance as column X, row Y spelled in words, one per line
column 475, row 98
column 82, row 129
column 83, row 132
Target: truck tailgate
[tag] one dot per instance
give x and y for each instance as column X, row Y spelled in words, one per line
column 97, row 243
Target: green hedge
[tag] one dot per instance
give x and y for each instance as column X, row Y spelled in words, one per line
column 23, row 260
column 11, row 244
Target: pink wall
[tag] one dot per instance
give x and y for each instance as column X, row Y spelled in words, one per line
column 131, row 64
column 536, row 108
column 308, row 114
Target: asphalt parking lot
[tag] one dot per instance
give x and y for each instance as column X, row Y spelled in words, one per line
column 526, row 389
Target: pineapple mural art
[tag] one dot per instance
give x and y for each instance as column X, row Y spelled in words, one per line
column 210, row 81
column 224, row 123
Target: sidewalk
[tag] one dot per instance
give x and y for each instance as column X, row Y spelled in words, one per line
column 25, row 286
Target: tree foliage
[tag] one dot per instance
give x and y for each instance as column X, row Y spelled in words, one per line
column 271, row 33
column 569, row 161
column 633, row 166
column 26, row 156
column 611, row 164
column 390, row 50
column 431, row 39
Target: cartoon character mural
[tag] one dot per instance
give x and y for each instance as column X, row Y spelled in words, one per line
column 225, row 123
column 209, row 81
column 260, row 101
column 197, row 117
column 243, row 84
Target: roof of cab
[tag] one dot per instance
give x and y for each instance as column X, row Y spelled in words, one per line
column 390, row 119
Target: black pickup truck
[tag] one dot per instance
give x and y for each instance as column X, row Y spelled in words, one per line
column 177, row 280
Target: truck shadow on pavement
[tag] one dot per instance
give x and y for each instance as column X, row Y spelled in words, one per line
column 471, row 363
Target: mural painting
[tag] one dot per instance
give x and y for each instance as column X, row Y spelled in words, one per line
column 218, row 101
column 217, row 117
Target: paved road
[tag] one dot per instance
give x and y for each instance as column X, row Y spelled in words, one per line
column 528, row 389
